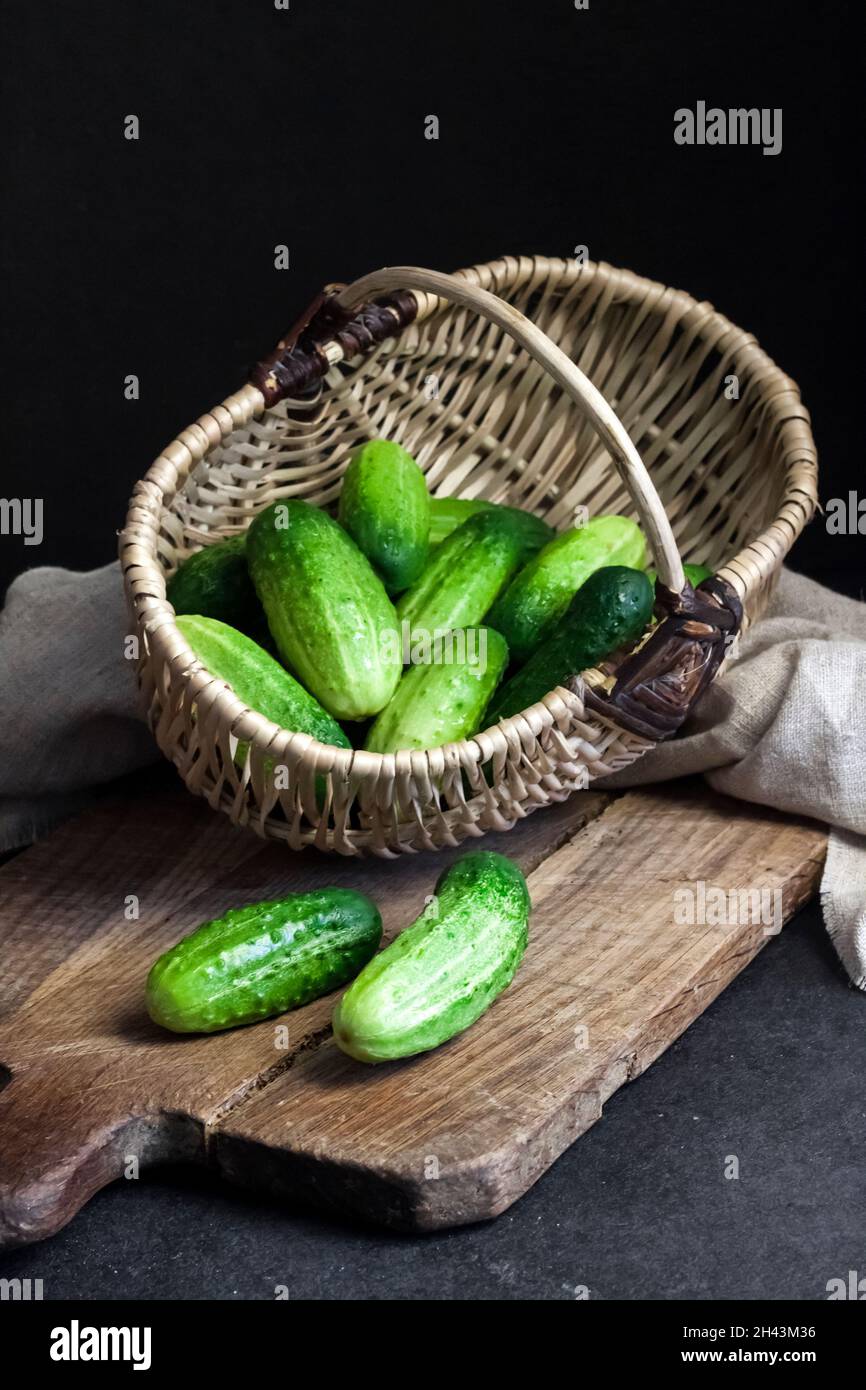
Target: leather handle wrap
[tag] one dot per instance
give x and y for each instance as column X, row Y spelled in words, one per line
column 658, row 685
column 299, row 361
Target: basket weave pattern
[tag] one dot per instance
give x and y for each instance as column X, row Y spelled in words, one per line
column 483, row 418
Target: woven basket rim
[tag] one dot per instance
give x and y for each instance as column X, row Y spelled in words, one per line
column 746, row 571
column 275, row 740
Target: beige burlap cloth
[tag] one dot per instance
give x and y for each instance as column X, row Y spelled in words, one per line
column 785, row 726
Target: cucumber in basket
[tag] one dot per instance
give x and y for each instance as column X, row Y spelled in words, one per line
column 262, row 960
column 540, row 594
column 447, row 513
column 465, row 574
column 259, row 680
column 215, row 582
column 327, row 609
column 441, row 973
column 441, row 700
column 695, row 574
column 613, row 607
column 385, row 507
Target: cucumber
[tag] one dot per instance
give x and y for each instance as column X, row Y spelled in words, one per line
column 262, row 960
column 215, row 583
column 695, row 574
column 540, row 594
column 613, row 607
column 330, row 617
column 465, row 575
column 441, row 701
column 385, row 507
column 441, row 973
column 447, row 513
column 258, row 680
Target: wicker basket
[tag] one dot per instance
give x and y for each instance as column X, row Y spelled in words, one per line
column 485, row 378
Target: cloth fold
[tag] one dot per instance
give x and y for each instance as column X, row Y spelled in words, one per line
column 783, row 727
column 72, row 715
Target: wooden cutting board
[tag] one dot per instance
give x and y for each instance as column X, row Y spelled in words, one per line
column 612, row 976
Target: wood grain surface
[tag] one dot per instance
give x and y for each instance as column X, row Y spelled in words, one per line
column 95, row 1090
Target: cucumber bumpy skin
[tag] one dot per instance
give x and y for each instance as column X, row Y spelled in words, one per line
column 539, row 595
column 447, row 513
column 442, row 701
column 262, row 960
column 442, row 972
column 215, row 583
column 328, row 611
column 258, row 680
column 613, row 607
column 385, row 507
column 465, row 575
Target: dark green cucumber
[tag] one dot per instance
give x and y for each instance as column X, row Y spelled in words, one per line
column 328, row 611
column 215, row 583
column 442, row 697
column 447, row 513
column 385, row 507
column 695, row 574
column 613, row 607
column 539, row 595
column 466, row 573
column 259, row 680
column 262, row 960
column 441, row 973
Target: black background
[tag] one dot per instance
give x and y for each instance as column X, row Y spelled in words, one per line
column 306, row 127
column 155, row 257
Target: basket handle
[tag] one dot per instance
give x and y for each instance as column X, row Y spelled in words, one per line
column 631, row 468
column 652, row 690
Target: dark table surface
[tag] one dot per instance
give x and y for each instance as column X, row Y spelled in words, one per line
column 640, row 1207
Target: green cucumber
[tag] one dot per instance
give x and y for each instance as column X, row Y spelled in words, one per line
column 330, row 617
column 262, row 960
column 385, row 507
column 613, row 607
column 441, row 699
column 447, row 513
column 695, row 574
column 441, row 973
column 465, row 575
column 259, row 680
column 215, row 583
column 540, row 594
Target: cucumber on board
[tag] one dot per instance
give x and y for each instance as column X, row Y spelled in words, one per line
column 329, row 614
column 441, row 700
column 465, row 574
column 447, row 513
column 385, row 507
column 442, row 972
column 262, row 960
column 613, row 607
column 539, row 595
column 215, row 583
column 259, row 680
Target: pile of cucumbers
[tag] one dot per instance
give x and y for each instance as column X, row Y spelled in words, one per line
column 415, row 620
